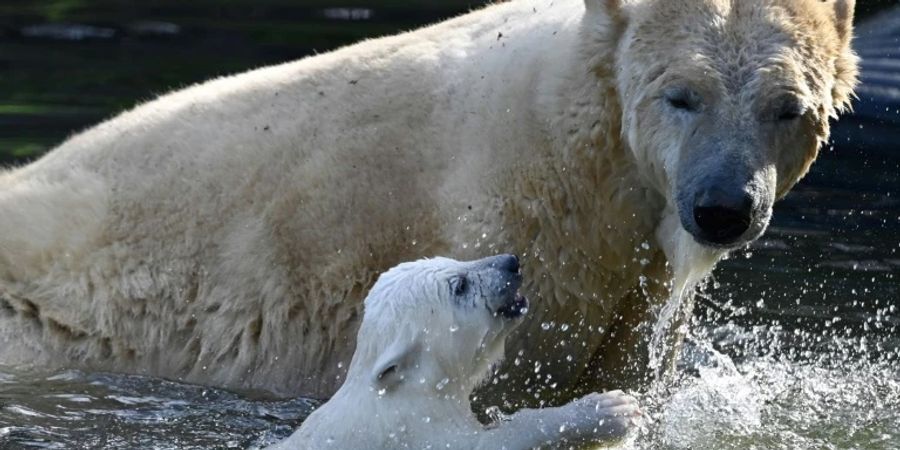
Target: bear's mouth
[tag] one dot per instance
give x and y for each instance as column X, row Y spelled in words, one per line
column 513, row 309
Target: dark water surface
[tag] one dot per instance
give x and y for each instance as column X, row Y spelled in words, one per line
column 795, row 341
column 78, row 410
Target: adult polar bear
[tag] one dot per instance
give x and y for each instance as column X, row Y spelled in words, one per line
column 226, row 233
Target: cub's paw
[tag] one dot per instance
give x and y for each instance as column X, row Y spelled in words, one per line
column 609, row 416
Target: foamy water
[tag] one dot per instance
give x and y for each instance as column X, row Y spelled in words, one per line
column 795, row 345
column 786, row 391
column 736, row 388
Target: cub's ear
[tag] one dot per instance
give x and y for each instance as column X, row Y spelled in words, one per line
column 392, row 366
column 843, row 19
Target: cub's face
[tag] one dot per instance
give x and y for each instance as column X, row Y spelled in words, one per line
column 726, row 102
column 441, row 319
column 485, row 305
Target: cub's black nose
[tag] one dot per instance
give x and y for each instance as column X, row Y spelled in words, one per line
column 508, row 263
column 723, row 217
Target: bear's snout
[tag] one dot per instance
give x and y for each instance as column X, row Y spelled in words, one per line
column 505, row 301
column 505, row 263
column 725, row 199
column 723, row 215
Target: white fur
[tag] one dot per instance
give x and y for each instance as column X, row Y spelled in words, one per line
column 437, row 347
column 226, row 233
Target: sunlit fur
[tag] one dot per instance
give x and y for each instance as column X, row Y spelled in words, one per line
column 742, row 59
column 420, row 351
column 226, row 233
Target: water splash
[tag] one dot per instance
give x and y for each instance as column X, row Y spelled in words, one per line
column 735, row 387
column 767, row 387
column 690, row 263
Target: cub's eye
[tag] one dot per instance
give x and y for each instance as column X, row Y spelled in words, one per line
column 458, row 285
column 683, row 99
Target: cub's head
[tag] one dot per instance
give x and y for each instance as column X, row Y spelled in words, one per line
column 437, row 324
column 726, row 102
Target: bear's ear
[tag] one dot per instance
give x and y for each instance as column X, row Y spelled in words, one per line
column 392, row 365
column 843, row 17
column 847, row 63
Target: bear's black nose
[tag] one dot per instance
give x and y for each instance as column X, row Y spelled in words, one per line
column 723, row 217
column 508, row 263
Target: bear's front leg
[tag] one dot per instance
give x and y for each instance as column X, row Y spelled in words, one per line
column 589, row 420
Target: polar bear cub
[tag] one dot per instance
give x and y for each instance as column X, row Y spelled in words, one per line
column 431, row 332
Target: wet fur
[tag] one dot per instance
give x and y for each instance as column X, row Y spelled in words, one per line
column 420, row 353
column 226, row 233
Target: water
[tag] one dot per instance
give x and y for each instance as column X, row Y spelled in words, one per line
column 794, row 343
column 769, row 388
column 112, row 411
column 737, row 387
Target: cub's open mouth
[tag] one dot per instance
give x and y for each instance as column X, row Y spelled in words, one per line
column 515, row 308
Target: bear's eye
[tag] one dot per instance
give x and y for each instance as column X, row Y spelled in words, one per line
column 458, row 285
column 682, row 99
column 788, row 109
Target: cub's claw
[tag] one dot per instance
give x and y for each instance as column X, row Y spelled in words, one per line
column 612, row 414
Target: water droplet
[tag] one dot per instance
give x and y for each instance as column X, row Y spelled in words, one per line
column 454, row 328
column 442, row 384
column 494, row 413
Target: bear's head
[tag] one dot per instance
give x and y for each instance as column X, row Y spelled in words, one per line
column 437, row 325
column 725, row 103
